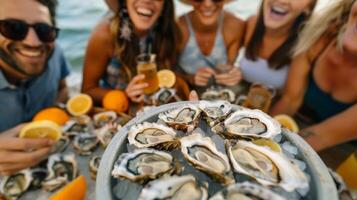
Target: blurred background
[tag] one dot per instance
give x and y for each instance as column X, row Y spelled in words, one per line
column 76, row 19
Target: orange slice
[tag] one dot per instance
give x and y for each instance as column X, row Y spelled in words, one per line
column 56, row 115
column 287, row 122
column 269, row 143
column 79, row 105
column 116, row 100
column 167, row 78
column 75, row 190
column 41, row 129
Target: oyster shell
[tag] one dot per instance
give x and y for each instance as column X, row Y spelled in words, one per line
column 143, row 165
column 265, row 165
column 153, row 135
column 215, row 112
column 61, row 170
column 174, row 187
column 93, row 166
column 78, row 125
column 163, row 96
column 85, row 143
column 222, row 94
column 246, row 191
column 248, row 124
column 103, row 118
column 183, row 118
column 12, row 187
column 106, row 133
column 38, row 176
column 201, row 152
column 61, row 145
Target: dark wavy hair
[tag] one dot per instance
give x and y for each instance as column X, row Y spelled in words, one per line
column 165, row 41
column 52, row 6
column 283, row 55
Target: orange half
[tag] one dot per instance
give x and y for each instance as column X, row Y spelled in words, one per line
column 167, row 78
column 41, row 129
column 79, row 105
column 287, row 122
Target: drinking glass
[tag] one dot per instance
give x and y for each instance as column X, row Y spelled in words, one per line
column 259, row 97
column 146, row 65
column 348, row 170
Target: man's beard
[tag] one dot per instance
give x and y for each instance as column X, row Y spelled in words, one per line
column 10, row 61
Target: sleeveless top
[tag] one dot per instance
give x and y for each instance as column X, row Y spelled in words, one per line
column 259, row 72
column 322, row 103
column 192, row 58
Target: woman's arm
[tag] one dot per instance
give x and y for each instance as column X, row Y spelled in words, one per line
column 233, row 32
column 99, row 50
column 333, row 131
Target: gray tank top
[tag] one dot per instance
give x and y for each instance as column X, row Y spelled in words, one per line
column 259, row 72
column 192, row 58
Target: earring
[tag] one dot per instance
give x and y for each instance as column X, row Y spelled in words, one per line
column 125, row 30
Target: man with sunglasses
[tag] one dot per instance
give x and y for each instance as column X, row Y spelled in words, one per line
column 32, row 72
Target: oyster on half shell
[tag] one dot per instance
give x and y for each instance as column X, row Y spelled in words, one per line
column 221, row 94
column 183, row 118
column 266, row 166
column 16, row 185
column 153, row 135
column 144, row 164
column 103, row 118
column 174, row 187
column 94, row 166
column 201, row 152
column 216, row 111
column 248, row 124
column 85, row 143
column 106, row 133
column 246, row 191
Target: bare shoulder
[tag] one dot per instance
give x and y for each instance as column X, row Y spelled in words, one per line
column 184, row 30
column 233, row 28
column 318, row 48
column 101, row 36
column 250, row 26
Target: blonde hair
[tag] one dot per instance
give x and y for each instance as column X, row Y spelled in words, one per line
column 331, row 21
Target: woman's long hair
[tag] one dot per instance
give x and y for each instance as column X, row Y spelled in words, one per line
column 331, row 22
column 165, row 42
column 281, row 56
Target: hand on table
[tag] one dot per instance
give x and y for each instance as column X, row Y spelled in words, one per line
column 135, row 89
column 229, row 79
column 203, row 75
column 20, row 153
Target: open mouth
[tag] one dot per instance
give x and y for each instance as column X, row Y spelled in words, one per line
column 277, row 11
column 30, row 53
column 208, row 13
column 144, row 12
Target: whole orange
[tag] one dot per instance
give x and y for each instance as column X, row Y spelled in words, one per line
column 116, row 100
column 56, row 115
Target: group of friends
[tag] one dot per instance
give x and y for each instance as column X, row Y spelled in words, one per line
column 309, row 57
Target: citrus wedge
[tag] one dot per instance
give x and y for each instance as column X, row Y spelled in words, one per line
column 74, row 190
column 41, row 129
column 269, row 143
column 287, row 122
column 167, row 78
column 79, row 105
column 56, row 115
column 116, row 100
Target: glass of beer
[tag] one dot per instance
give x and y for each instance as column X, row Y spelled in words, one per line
column 146, row 65
column 348, row 171
column 259, row 97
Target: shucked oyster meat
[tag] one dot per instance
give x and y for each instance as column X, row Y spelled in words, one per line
column 174, row 187
column 153, row 135
column 219, row 94
column 246, row 191
column 84, row 144
column 266, row 166
column 16, row 185
column 106, row 133
column 183, row 118
column 248, row 124
column 144, row 164
column 216, row 111
column 103, row 118
column 202, row 153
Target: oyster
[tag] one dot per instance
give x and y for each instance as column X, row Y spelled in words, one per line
column 93, row 166
column 222, row 94
column 265, row 165
column 183, row 118
column 85, row 143
column 12, row 187
column 216, row 111
column 248, row 124
column 163, row 96
column 78, row 125
column 202, row 153
column 143, row 165
column 174, row 187
column 61, row 145
column 38, row 176
column 103, row 118
column 61, row 170
column 106, row 133
column 153, row 135
column 246, row 191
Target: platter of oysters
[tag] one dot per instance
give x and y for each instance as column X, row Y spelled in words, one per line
column 210, row 150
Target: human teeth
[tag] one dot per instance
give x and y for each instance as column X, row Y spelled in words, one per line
column 144, row 11
column 279, row 10
column 30, row 53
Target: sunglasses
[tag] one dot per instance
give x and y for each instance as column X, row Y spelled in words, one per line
column 17, row 30
column 214, row 1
